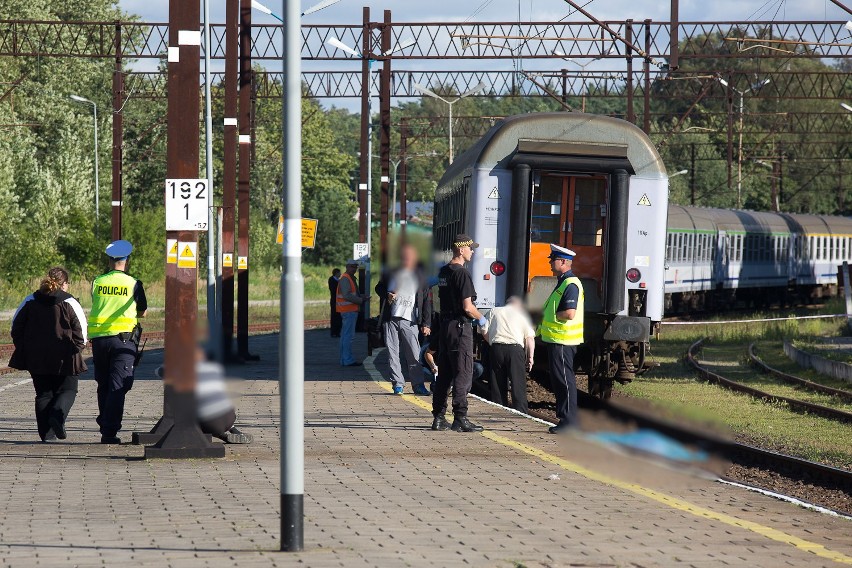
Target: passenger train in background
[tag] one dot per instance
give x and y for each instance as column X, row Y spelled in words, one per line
column 718, row 258
column 594, row 184
column 597, row 185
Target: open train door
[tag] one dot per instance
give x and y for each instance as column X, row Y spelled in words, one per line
column 570, row 211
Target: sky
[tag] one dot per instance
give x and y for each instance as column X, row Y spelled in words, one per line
column 348, row 12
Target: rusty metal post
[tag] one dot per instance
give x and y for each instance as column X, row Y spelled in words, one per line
column 184, row 439
column 674, row 41
column 692, row 174
column 384, row 136
column 730, row 90
column 117, row 135
column 402, row 176
column 243, row 182
column 363, row 222
column 564, row 86
column 628, row 35
column 365, row 161
column 646, row 95
column 229, row 177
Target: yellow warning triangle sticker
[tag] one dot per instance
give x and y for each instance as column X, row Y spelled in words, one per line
column 644, row 200
column 187, row 252
column 173, row 250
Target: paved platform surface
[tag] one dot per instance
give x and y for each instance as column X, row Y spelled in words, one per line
column 382, row 490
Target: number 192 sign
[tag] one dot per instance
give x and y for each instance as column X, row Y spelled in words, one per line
column 186, row 204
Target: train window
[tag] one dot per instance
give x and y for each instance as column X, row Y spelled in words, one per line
column 669, row 247
column 547, row 211
column 589, row 195
column 739, row 251
column 699, row 247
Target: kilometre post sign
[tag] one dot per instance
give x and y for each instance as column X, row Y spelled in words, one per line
column 186, row 204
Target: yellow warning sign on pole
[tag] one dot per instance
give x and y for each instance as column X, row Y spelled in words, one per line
column 171, row 251
column 242, row 263
column 227, row 260
column 644, row 200
column 187, row 255
column 309, row 232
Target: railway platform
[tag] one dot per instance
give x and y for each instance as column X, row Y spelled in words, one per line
column 382, row 489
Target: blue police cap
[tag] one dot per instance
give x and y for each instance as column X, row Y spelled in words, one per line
column 119, row 250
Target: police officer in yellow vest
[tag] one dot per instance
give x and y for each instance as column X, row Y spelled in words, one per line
column 561, row 330
column 118, row 300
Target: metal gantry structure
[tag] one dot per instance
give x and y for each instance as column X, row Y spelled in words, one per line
column 673, row 62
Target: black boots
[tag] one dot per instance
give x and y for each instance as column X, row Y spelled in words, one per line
column 462, row 424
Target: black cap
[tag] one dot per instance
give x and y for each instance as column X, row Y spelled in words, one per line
column 464, row 240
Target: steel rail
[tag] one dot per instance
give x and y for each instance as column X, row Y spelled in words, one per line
column 793, row 379
column 794, row 404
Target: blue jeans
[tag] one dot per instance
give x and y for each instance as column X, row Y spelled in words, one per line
column 347, row 334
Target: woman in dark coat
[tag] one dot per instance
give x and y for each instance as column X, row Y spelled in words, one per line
column 49, row 333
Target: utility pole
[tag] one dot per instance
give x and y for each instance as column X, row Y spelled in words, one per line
column 692, row 173
column 291, row 340
column 243, row 183
column 184, row 438
column 117, row 136
column 384, row 135
column 229, row 176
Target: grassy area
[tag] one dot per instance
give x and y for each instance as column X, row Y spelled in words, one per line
column 730, row 361
column 772, row 353
column 674, row 387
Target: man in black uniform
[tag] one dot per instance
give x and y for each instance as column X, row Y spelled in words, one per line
column 456, row 294
column 336, row 320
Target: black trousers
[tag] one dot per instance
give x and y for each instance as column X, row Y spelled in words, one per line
column 564, row 383
column 336, row 320
column 113, row 359
column 508, row 363
column 55, row 394
column 455, row 367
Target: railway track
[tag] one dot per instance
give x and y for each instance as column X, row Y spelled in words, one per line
column 800, row 470
column 792, row 403
column 793, row 379
column 7, row 349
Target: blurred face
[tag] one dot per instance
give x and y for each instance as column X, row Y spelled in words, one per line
column 408, row 257
column 351, row 268
column 466, row 253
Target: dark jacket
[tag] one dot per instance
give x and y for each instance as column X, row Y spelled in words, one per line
column 422, row 300
column 49, row 335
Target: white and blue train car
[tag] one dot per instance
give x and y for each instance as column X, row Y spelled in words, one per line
column 594, row 184
column 716, row 258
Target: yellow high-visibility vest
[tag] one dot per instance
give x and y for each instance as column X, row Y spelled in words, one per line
column 113, row 306
column 568, row 332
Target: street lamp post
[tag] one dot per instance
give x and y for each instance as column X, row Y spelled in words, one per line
column 450, row 104
column 742, row 95
column 84, row 100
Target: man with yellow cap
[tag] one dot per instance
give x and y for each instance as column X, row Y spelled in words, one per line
column 561, row 330
column 118, row 300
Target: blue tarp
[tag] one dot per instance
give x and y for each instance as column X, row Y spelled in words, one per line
column 652, row 442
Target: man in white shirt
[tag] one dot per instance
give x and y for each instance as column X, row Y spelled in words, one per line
column 510, row 334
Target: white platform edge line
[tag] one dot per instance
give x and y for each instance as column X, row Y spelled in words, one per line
column 787, row 498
